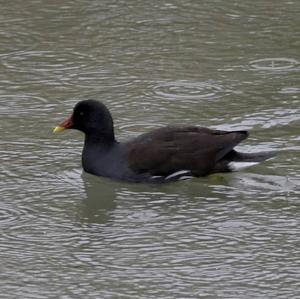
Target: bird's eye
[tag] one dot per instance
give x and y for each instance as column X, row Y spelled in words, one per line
column 81, row 113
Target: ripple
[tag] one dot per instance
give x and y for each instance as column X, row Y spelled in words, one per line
column 35, row 221
column 16, row 105
column 9, row 215
column 290, row 90
column 40, row 68
column 41, row 61
column 12, row 211
column 267, row 118
column 274, row 64
column 34, row 235
column 71, row 177
column 271, row 184
column 102, row 77
column 13, row 36
column 186, row 90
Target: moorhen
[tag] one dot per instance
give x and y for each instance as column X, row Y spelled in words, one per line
column 166, row 154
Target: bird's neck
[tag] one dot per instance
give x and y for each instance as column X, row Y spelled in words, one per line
column 101, row 141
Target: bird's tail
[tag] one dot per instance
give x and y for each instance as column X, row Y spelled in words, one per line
column 252, row 157
column 242, row 160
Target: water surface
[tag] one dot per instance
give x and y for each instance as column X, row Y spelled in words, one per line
column 67, row 234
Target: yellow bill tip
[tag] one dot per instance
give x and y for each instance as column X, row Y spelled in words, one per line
column 58, row 129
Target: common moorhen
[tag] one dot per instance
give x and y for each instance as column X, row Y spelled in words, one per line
column 166, row 154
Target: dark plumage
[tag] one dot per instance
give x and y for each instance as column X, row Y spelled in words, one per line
column 166, row 154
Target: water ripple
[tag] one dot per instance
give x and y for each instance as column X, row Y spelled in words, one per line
column 67, row 235
column 41, row 61
column 17, row 105
column 290, row 90
column 10, row 215
column 189, row 91
column 42, row 68
column 274, row 64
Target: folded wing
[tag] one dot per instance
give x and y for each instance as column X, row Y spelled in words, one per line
column 170, row 149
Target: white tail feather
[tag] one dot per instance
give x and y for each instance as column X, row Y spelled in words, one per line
column 234, row 166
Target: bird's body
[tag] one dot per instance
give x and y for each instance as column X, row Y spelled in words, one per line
column 162, row 155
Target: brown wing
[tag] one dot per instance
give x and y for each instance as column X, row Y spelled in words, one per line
column 169, row 149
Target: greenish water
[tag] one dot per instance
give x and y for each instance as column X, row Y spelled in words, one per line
column 222, row 64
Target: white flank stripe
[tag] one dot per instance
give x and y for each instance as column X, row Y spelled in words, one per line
column 185, row 177
column 177, row 173
column 234, row 166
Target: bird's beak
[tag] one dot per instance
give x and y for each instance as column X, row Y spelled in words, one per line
column 67, row 124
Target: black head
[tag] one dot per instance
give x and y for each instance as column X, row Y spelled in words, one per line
column 92, row 118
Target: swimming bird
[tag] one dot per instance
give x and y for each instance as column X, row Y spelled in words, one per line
column 165, row 154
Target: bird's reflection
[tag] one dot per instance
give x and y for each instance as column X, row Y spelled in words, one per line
column 100, row 200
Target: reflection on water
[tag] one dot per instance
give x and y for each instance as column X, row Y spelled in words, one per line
column 99, row 202
column 219, row 64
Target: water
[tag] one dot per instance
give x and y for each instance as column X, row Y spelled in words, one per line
column 67, row 234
